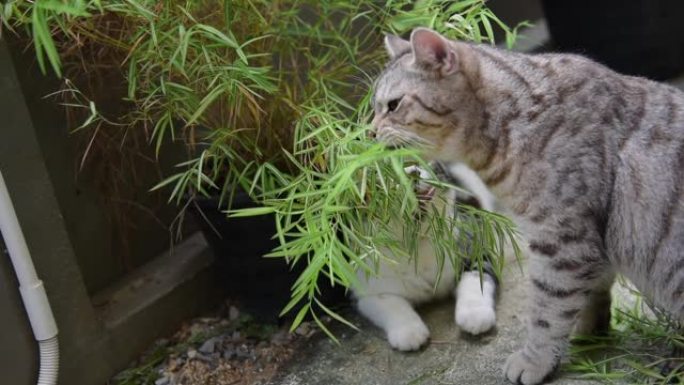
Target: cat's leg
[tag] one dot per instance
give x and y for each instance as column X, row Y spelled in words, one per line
column 595, row 317
column 562, row 281
column 475, row 301
column 395, row 315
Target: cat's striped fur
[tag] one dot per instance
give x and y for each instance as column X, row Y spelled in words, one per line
column 589, row 161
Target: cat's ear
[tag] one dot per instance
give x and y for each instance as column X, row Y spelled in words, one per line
column 396, row 46
column 433, row 52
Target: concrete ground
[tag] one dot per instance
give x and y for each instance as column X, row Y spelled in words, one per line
column 365, row 357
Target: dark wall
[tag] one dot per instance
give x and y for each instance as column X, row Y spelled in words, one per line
column 111, row 234
column 513, row 12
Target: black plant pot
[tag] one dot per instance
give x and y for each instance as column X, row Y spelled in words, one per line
column 636, row 37
column 261, row 285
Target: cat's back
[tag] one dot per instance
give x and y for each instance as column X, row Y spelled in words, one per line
column 624, row 137
column 646, row 229
column 567, row 83
column 632, row 129
column 648, row 144
column 572, row 107
column 558, row 78
column 635, row 129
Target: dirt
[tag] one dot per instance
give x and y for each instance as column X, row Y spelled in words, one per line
column 226, row 348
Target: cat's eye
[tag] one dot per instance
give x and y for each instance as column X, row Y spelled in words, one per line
column 393, row 104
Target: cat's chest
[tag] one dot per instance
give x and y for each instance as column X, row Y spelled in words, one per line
column 429, row 268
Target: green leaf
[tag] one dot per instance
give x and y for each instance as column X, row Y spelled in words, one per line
column 251, row 212
column 300, row 317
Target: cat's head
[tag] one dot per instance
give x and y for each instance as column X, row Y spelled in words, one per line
column 425, row 96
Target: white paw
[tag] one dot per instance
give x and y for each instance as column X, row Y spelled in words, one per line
column 521, row 369
column 409, row 336
column 475, row 319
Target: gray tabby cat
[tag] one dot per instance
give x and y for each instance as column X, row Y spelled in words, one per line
column 589, row 161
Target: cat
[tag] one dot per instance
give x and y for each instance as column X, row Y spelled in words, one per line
column 388, row 298
column 589, row 162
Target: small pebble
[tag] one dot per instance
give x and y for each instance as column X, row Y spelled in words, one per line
column 303, row 329
column 229, row 354
column 162, row 381
column 209, row 345
column 243, row 352
column 192, row 353
column 280, row 337
column 205, row 358
column 174, row 364
column 196, row 329
column 233, row 313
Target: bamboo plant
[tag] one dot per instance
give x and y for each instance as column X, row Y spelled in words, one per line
column 271, row 97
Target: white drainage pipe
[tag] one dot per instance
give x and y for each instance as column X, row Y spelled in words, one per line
column 32, row 290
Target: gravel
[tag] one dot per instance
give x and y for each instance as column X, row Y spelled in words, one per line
column 228, row 349
column 209, row 346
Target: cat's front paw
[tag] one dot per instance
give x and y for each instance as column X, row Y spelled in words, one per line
column 475, row 319
column 409, row 336
column 522, row 369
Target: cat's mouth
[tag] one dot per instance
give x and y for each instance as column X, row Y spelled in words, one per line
column 394, row 146
column 391, row 138
column 425, row 194
column 395, row 139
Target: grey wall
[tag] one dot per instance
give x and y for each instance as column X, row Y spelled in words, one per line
column 24, row 171
column 105, row 249
column 17, row 349
column 96, row 341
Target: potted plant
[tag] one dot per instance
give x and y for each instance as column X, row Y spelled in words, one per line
column 637, row 37
column 271, row 100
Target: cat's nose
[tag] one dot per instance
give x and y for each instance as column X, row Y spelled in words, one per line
column 372, row 133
